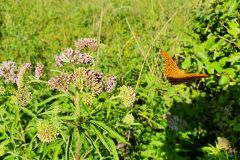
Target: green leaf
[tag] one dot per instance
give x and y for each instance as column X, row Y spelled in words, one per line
column 224, row 80
column 88, row 137
column 111, row 132
column 186, row 63
column 100, row 136
column 233, row 7
column 113, row 148
column 209, row 43
column 234, row 58
column 57, row 151
column 230, row 72
column 200, row 52
column 29, row 112
column 217, row 66
column 52, row 98
column 234, row 32
column 109, row 107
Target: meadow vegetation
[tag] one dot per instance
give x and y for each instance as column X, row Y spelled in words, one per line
column 84, row 79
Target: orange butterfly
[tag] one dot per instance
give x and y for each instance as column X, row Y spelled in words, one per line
column 174, row 74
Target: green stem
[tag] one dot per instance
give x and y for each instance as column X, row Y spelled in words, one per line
column 76, row 100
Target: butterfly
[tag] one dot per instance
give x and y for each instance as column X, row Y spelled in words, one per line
column 174, row 74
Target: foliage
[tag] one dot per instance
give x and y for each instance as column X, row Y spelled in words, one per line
column 51, row 111
column 213, row 47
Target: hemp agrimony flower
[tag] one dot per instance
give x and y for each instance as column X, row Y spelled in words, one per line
column 110, row 83
column 73, row 57
column 47, row 131
column 21, row 72
column 23, row 96
column 94, row 80
column 87, row 98
column 89, row 43
column 39, row 70
column 127, row 95
column 61, row 82
column 8, row 71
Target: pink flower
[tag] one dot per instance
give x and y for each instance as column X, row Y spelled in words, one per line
column 39, row 70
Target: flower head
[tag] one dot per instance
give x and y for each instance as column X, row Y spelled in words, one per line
column 223, row 143
column 60, row 60
column 23, row 96
column 127, row 95
column 128, row 119
column 89, row 43
column 61, row 82
column 73, row 57
column 21, row 72
column 47, row 131
column 8, row 71
column 94, row 80
column 110, row 83
column 39, row 70
column 87, row 98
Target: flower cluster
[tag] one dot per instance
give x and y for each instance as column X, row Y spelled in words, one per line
column 47, row 131
column 21, row 73
column 94, row 80
column 89, row 80
column 89, row 43
column 128, row 119
column 61, row 82
column 73, row 57
column 127, row 95
column 87, row 98
column 223, row 143
column 39, row 70
column 8, row 71
column 23, row 96
column 110, row 83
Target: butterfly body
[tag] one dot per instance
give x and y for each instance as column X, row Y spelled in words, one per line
column 174, row 74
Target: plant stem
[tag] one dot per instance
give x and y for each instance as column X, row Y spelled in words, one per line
column 77, row 157
column 77, row 105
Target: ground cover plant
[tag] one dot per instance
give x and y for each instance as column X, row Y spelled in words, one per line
column 65, row 96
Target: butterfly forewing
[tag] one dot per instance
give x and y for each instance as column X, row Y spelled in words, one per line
column 175, row 75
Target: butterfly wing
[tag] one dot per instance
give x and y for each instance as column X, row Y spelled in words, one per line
column 187, row 77
column 174, row 74
column 170, row 67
